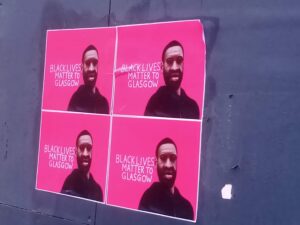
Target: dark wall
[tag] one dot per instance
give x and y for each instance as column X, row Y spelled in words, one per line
column 251, row 125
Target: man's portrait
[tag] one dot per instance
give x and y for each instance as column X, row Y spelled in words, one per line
column 171, row 99
column 80, row 182
column 87, row 98
column 163, row 197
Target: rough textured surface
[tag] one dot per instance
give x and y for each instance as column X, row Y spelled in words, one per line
column 251, row 125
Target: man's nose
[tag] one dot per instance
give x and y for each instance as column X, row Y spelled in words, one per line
column 174, row 65
column 85, row 152
column 168, row 163
column 91, row 67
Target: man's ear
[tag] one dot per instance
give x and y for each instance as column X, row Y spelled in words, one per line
column 161, row 65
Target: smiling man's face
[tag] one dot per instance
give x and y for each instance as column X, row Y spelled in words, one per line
column 84, row 152
column 167, row 164
column 90, row 68
column 173, row 67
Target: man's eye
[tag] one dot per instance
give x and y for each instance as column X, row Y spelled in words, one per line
column 170, row 61
column 163, row 158
column 91, row 62
column 95, row 62
column 83, row 147
column 179, row 60
column 172, row 158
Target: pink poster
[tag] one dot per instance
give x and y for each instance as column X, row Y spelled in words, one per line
column 133, row 159
column 154, row 59
column 121, row 119
column 59, row 146
column 65, row 69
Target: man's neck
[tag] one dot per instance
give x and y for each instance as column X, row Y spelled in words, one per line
column 88, row 175
column 172, row 89
column 84, row 173
column 89, row 88
column 172, row 189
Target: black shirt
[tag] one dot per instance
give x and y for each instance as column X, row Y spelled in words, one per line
column 159, row 199
column 85, row 100
column 77, row 184
column 167, row 103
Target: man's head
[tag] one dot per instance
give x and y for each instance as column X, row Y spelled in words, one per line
column 166, row 155
column 84, row 146
column 172, row 63
column 90, row 65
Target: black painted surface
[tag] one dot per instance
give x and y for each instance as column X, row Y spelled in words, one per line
column 22, row 45
column 251, row 126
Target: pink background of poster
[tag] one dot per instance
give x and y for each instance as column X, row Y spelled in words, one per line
column 66, row 47
column 62, row 129
column 145, row 44
column 139, row 137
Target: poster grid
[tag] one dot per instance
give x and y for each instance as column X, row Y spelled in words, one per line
column 123, row 136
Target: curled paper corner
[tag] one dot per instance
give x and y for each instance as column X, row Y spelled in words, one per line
column 226, row 191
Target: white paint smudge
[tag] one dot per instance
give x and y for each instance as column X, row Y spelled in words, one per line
column 226, row 191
